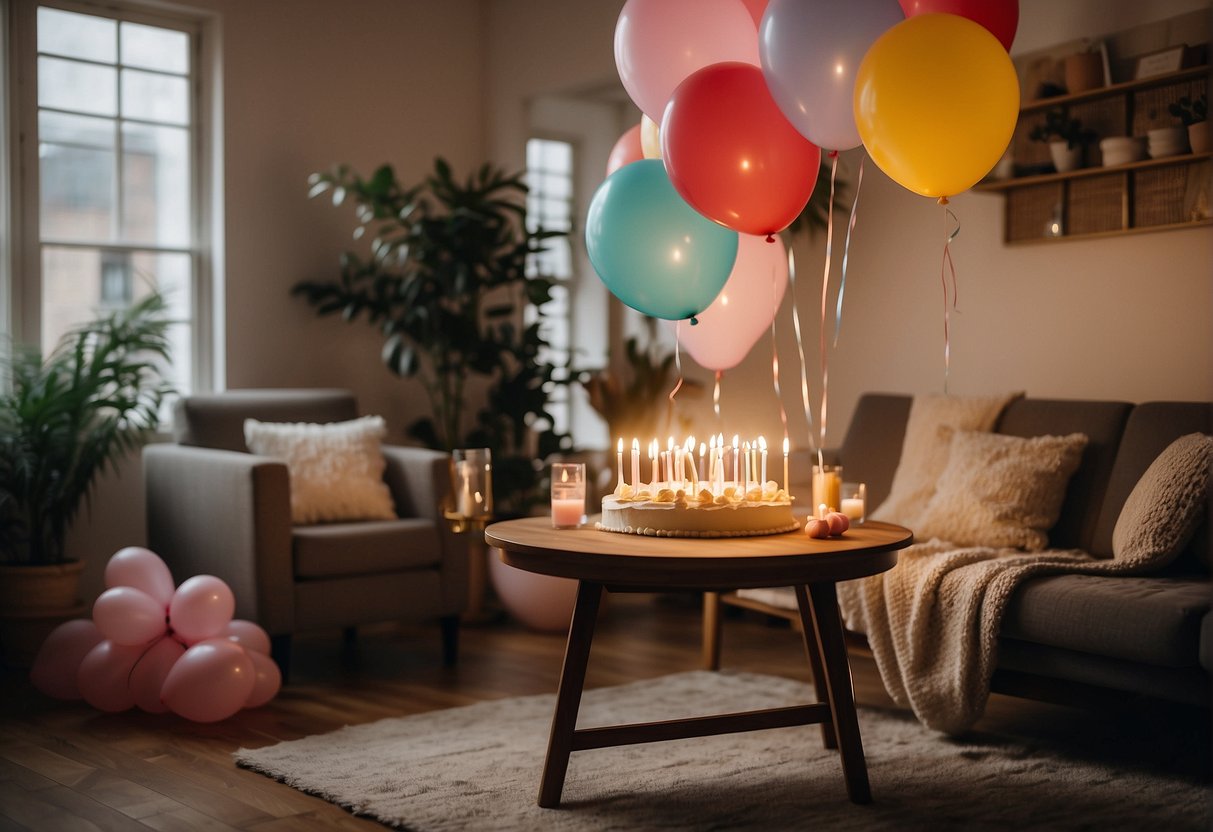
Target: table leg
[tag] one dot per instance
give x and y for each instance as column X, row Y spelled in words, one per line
column 827, row 623
column 568, row 694
column 711, row 631
column 808, row 631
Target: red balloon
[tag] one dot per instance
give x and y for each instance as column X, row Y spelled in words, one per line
column 1001, row 17
column 627, row 149
column 732, row 155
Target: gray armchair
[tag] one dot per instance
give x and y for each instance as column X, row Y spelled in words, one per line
column 214, row 508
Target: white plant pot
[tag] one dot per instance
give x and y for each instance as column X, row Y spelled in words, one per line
column 1065, row 158
column 541, row 602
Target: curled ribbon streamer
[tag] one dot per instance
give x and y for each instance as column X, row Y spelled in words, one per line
column 846, row 251
column 783, row 414
column 825, row 289
column 945, row 267
column 669, row 418
column 804, row 373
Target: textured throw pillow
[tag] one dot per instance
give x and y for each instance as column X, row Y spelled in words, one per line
column 1165, row 507
column 1001, row 491
column 924, row 453
column 336, row 469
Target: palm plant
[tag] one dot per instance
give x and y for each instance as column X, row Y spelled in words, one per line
column 69, row 416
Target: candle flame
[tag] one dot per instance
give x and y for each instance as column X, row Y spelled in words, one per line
column 621, row 444
column 762, row 442
column 735, row 444
column 564, row 474
column 689, row 445
column 670, row 444
column 785, row 446
column 703, row 449
column 635, row 444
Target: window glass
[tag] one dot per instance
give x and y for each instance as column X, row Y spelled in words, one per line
column 155, row 97
column 76, row 86
column 150, row 47
column 82, row 36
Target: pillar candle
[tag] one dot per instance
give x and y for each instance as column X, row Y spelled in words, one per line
column 619, row 455
column 635, row 463
column 703, row 472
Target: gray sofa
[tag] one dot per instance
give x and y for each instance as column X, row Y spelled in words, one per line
column 214, row 508
column 1078, row 638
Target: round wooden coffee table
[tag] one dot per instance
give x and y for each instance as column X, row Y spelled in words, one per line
column 630, row 563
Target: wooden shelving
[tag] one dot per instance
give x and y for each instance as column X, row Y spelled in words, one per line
column 1151, row 195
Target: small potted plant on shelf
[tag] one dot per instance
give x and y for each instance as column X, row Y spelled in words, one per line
column 1194, row 114
column 1067, row 139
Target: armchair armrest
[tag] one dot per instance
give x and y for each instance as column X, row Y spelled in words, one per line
column 420, row 481
column 227, row 514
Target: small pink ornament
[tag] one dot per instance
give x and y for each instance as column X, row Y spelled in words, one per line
column 817, row 528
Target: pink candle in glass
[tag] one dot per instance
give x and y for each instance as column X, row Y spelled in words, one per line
column 568, row 512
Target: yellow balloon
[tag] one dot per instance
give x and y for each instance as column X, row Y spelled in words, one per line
column 936, row 99
column 650, row 138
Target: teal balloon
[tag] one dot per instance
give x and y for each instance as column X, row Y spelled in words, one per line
column 652, row 250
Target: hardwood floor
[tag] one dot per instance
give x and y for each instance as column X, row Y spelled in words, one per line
column 64, row 766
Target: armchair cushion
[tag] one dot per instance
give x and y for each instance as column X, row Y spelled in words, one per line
column 336, row 550
column 336, row 470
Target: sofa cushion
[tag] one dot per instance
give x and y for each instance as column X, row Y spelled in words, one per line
column 341, row 549
column 336, row 469
column 1001, row 491
column 1163, row 509
column 1151, row 620
column 1150, row 428
column 216, row 420
column 872, row 446
column 1102, row 423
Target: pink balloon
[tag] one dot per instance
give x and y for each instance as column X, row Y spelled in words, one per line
column 268, row 679
column 126, row 615
column 743, row 311
column 756, row 8
column 59, row 657
column 248, row 635
column 211, row 681
column 627, row 149
column 149, row 673
column 201, row 608
column 732, row 155
column 143, row 569
column 658, row 43
column 104, row 674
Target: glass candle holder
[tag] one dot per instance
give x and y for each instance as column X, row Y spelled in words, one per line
column 854, row 501
column 471, row 485
column 827, row 489
column 568, row 495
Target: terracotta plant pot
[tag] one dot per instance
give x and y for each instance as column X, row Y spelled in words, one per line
column 1083, row 72
column 1065, row 158
column 1198, row 136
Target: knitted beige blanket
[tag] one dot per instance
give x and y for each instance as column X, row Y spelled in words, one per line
column 933, row 620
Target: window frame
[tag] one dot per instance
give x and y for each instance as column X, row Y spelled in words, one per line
column 21, row 281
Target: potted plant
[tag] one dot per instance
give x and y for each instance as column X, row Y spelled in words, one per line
column 64, row 419
column 447, row 281
column 1067, row 139
column 1193, row 113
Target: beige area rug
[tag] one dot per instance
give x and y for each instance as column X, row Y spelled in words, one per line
column 478, row 767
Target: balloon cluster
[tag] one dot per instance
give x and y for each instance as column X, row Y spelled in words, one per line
column 739, row 95
column 159, row 648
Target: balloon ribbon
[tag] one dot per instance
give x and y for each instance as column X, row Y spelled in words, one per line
column 948, row 267
column 783, row 414
column 669, row 419
column 846, row 251
column 804, row 374
column 825, row 287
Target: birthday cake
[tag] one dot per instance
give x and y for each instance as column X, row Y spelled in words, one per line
column 670, row 512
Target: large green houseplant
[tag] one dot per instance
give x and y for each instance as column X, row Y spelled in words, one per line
column 448, row 278
column 64, row 419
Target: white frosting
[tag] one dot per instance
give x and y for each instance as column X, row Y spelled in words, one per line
column 671, row 513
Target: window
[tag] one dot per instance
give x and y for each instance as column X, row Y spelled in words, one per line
column 549, row 205
column 113, row 197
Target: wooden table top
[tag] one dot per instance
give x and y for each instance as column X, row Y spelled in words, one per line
column 640, row 562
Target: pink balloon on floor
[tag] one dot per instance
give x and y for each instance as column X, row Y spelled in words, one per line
column 626, row 150
column 541, row 602
column 58, row 659
column 143, row 569
column 104, row 674
column 248, row 635
column 268, row 680
column 201, row 608
column 149, row 673
column 211, row 681
column 126, row 615
column 743, row 311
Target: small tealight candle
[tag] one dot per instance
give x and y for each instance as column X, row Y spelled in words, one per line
column 854, row 501
column 568, row 495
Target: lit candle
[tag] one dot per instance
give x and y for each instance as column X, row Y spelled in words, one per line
column 762, row 445
column 635, row 463
column 785, row 463
column 653, row 457
column 689, row 458
column 736, row 460
column 712, row 462
column 747, row 469
column 619, row 455
column 700, row 461
column 669, row 463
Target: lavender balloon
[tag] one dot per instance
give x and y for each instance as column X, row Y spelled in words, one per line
column 810, row 52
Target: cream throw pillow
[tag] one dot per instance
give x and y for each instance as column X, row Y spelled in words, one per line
column 336, row 469
column 1164, row 508
column 924, row 453
column 1001, row 491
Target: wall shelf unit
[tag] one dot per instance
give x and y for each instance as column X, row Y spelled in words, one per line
column 1150, row 195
